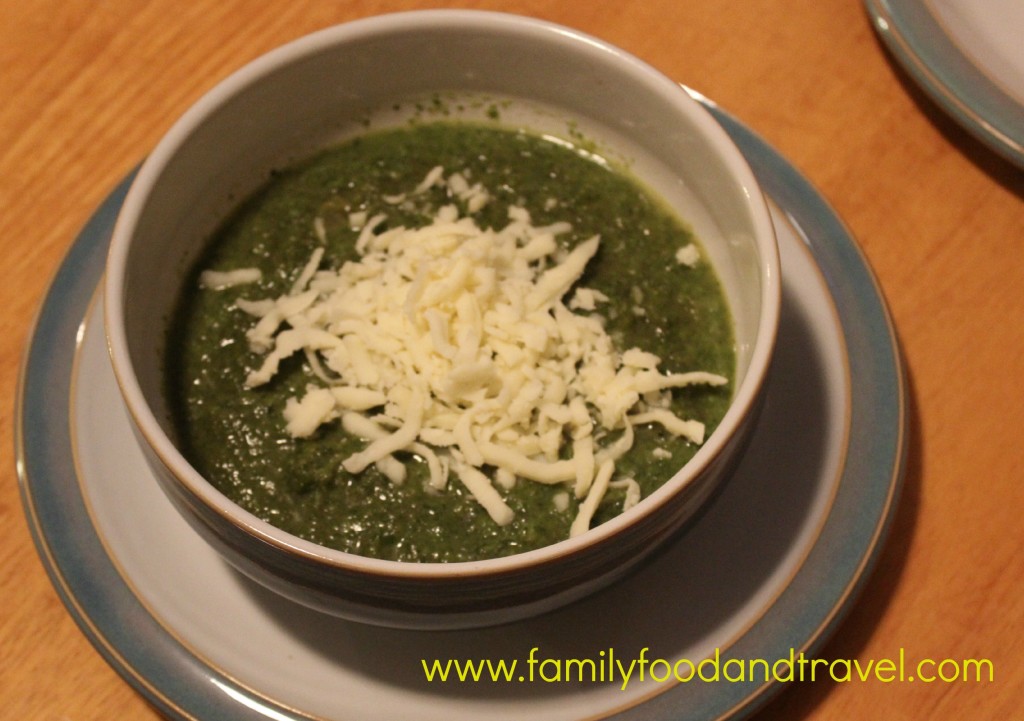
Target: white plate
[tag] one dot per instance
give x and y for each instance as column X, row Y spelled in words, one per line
column 768, row 570
column 969, row 56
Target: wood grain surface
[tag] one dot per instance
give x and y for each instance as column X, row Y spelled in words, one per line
column 86, row 90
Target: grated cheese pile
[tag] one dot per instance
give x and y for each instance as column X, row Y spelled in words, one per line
column 458, row 345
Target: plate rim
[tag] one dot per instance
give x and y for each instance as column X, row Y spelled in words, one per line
column 919, row 42
column 782, row 183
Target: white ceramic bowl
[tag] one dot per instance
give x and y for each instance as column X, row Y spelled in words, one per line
column 318, row 88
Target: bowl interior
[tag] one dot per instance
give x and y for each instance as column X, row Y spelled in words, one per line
column 326, row 86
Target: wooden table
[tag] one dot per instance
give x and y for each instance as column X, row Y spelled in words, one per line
column 88, row 88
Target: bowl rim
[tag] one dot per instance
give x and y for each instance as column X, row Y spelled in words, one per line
column 144, row 419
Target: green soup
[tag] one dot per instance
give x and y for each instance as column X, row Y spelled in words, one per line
column 236, row 436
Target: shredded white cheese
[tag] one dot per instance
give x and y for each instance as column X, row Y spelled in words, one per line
column 453, row 343
column 688, row 255
column 220, row 280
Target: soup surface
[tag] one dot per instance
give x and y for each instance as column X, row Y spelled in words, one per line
column 654, row 291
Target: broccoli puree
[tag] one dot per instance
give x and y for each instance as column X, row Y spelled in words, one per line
column 236, row 437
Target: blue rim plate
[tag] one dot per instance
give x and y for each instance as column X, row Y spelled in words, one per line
column 930, row 40
column 797, row 529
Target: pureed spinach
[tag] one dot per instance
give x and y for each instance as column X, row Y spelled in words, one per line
column 236, row 436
